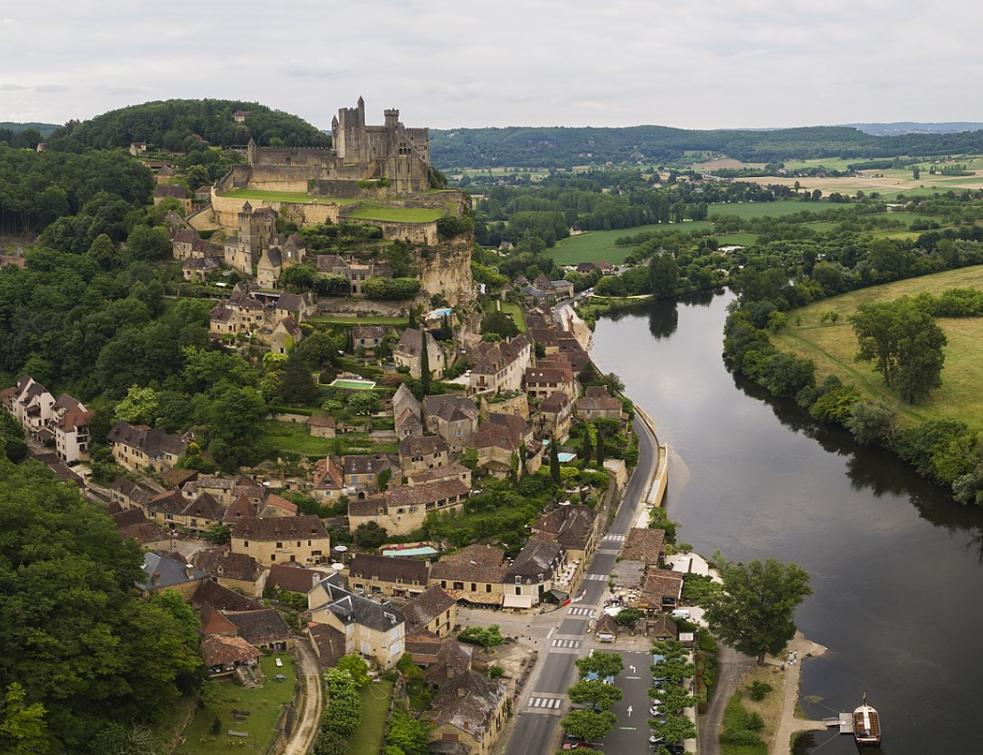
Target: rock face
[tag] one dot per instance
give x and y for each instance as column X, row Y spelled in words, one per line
column 446, row 269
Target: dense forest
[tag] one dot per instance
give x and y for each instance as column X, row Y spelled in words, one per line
column 565, row 147
column 180, row 124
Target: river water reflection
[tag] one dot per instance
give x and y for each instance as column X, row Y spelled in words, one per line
column 896, row 565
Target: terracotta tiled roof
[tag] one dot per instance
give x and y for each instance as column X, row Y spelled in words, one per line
column 474, row 563
column 427, row 606
column 224, row 651
column 279, row 528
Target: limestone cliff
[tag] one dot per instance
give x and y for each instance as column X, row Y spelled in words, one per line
column 446, row 269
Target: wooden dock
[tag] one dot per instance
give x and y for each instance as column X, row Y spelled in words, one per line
column 842, row 721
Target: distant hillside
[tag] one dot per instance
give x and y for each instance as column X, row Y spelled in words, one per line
column 42, row 128
column 177, row 124
column 914, row 127
column 565, row 147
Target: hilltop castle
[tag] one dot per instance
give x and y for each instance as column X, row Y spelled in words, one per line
column 390, row 153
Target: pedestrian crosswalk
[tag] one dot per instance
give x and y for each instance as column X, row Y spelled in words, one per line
column 581, row 611
column 613, row 539
column 571, row 644
column 596, row 577
column 551, row 703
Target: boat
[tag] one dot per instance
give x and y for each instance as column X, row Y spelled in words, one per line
column 866, row 725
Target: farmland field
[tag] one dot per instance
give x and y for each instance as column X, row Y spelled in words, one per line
column 599, row 246
column 832, row 348
column 292, row 197
column 774, row 209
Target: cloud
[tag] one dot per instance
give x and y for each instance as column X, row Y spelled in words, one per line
column 444, row 63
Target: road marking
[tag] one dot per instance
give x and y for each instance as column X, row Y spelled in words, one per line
column 581, row 611
column 613, row 538
column 628, row 677
column 550, row 634
column 596, row 577
column 566, row 644
column 551, row 703
column 628, row 728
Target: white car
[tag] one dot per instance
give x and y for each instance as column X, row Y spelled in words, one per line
column 656, row 708
column 680, row 613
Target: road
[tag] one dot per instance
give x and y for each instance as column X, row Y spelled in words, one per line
column 733, row 666
column 631, row 733
column 543, row 701
column 308, row 719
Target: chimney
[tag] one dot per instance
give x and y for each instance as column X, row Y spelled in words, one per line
column 189, row 570
column 461, row 692
column 155, row 578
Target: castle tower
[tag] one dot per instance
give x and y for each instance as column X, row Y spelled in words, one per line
column 251, row 151
column 392, row 119
column 361, row 111
column 246, row 225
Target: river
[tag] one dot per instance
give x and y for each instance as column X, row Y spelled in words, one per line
column 896, row 564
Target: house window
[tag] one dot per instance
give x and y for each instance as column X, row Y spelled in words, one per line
column 273, row 557
column 245, row 543
column 518, row 590
column 518, row 580
column 443, row 583
column 458, row 585
column 279, row 545
column 487, row 589
column 473, row 587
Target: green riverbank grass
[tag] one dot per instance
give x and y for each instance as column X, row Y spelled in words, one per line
column 833, row 348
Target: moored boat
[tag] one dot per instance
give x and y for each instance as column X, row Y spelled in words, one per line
column 866, row 725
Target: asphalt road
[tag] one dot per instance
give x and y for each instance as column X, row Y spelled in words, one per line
column 538, row 720
column 631, row 733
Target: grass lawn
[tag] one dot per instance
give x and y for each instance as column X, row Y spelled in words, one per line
column 263, row 703
column 396, row 214
column 294, row 197
column 739, row 239
column 513, row 309
column 294, row 438
column 357, row 320
column 741, row 705
column 599, row 246
column 775, row 209
column 832, row 348
column 368, row 737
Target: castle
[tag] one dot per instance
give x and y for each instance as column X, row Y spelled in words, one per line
column 389, row 154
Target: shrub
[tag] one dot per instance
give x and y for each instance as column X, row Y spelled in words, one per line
column 758, row 690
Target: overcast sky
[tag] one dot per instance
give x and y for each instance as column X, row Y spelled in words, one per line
column 688, row 63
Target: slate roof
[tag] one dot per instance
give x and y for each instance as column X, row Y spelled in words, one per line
column 259, row 627
column 537, row 557
column 453, row 659
column 474, row 563
column 365, row 463
column 388, row 569
column 330, row 644
column 215, row 595
column 422, row 445
column 293, row 578
column 450, row 408
column 290, row 302
column 354, row 609
column 468, row 702
column 425, row 607
column 554, row 403
column 151, row 442
column 161, row 571
column 570, row 526
column 278, row 528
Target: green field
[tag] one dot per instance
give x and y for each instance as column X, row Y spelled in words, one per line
column 599, row 246
column 513, row 309
column 294, row 438
column 775, row 209
column 263, row 703
column 739, row 239
column 396, row 214
column 369, row 736
column 292, row 197
column 833, row 347
column 357, row 320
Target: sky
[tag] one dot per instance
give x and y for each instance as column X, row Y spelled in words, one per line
column 685, row 63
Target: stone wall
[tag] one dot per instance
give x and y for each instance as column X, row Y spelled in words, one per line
column 226, row 210
column 349, row 305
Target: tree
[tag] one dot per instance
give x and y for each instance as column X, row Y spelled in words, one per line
column 486, row 637
column 602, row 663
column 905, row 344
column 663, row 275
column 554, row 461
column 356, row 667
column 589, row 725
column 872, row 422
column 753, row 612
column 140, row 406
column 596, row 693
column 599, row 449
column 344, row 707
column 370, row 535
column 916, row 173
column 22, row 726
column 585, row 447
column 674, row 729
column 148, row 244
column 297, row 385
column 628, row 616
column 410, row 735
column 500, row 324
column 425, row 376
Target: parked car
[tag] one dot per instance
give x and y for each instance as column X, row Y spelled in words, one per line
column 656, row 708
column 680, row 613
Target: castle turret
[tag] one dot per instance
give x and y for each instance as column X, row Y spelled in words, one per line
column 251, row 151
column 392, row 119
